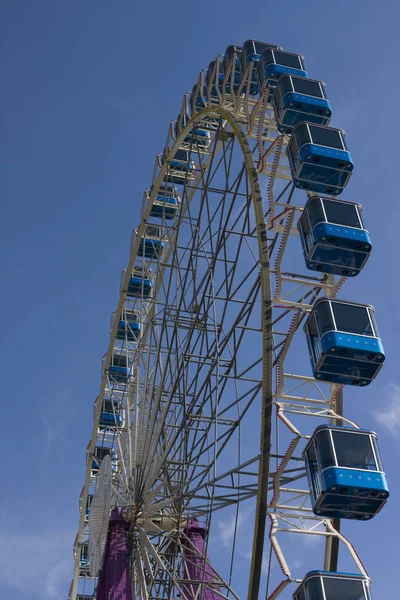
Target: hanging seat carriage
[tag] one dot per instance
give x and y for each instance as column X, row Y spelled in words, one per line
column 197, row 101
column 297, row 99
column 88, row 503
column 232, row 55
column 166, row 203
column 318, row 158
column 215, row 76
column 151, row 244
column 180, row 168
column 251, row 54
column 343, row 342
column 333, row 236
column 129, row 326
column 119, row 370
column 345, row 473
column 328, row 585
column 274, row 63
column 140, row 284
column 110, row 415
column 99, row 453
column 197, row 140
column 84, row 559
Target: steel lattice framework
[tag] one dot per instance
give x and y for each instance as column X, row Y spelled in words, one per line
column 215, row 411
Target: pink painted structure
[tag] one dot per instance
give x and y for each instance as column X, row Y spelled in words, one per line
column 114, row 580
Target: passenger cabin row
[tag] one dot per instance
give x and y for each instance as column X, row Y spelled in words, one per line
column 332, row 235
column 318, row 157
column 343, row 340
column 343, row 465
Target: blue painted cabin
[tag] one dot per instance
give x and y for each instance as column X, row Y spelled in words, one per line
column 275, row 63
column 99, row 453
column 215, row 76
column 318, row 158
column 151, row 244
column 110, row 415
column 88, row 503
column 166, row 203
column 345, row 473
column 118, row 369
column 180, row 167
column 128, row 327
column 298, row 99
column 333, row 236
column 329, row 585
column 198, row 102
column 198, row 139
column 343, row 342
column 140, row 284
column 232, row 64
column 84, row 558
column 251, row 53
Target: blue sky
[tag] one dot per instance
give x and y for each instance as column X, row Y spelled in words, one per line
column 88, row 90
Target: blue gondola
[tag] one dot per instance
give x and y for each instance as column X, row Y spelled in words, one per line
column 84, row 559
column 88, row 503
column 198, row 100
column 328, row 585
column 99, row 453
column 297, row 99
column 180, row 167
column 274, row 63
column 319, row 159
column 198, row 139
column 251, row 53
column 166, row 203
column 140, row 284
column 110, row 416
column 118, row 369
column 197, row 103
column 215, row 77
column 333, row 236
column 235, row 77
column 343, row 342
column 345, row 473
column 151, row 244
column 128, row 327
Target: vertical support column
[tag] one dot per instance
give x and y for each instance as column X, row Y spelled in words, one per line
column 332, row 544
column 114, row 580
column 197, row 567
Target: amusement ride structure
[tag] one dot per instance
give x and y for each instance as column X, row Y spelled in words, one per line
column 219, row 454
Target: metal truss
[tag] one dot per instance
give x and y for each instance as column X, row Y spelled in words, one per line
column 218, row 343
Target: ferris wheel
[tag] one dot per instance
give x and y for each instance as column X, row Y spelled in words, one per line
column 221, row 463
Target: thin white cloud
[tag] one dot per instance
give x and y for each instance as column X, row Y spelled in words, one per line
column 227, row 528
column 297, row 564
column 48, row 435
column 389, row 414
column 312, row 539
column 265, row 561
column 227, row 531
column 36, row 565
